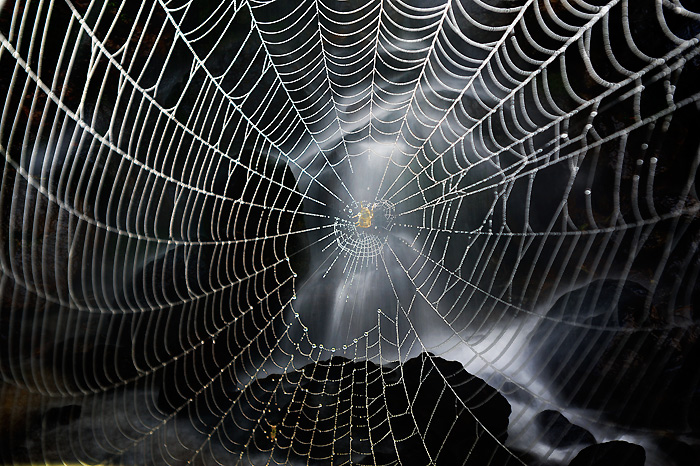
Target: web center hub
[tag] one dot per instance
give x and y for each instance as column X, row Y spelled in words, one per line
column 365, row 230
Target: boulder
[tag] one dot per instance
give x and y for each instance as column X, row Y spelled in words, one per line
column 558, row 432
column 615, row 453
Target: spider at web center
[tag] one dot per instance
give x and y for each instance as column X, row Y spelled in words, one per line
column 364, row 232
column 364, row 217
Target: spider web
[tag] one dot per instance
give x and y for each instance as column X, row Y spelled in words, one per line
column 334, row 232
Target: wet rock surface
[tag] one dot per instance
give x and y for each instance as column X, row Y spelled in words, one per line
column 558, row 432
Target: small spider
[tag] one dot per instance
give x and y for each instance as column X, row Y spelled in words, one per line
column 364, row 217
column 273, row 432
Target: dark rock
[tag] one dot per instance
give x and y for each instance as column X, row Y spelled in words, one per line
column 427, row 409
column 558, row 432
column 60, row 416
column 459, row 417
column 610, row 454
column 602, row 348
column 679, row 453
column 514, row 392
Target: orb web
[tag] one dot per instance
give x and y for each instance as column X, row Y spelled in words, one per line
column 357, row 232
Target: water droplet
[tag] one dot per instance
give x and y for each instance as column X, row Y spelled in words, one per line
column 653, row 160
column 645, row 146
column 564, row 135
column 640, row 162
column 587, row 192
column 313, row 346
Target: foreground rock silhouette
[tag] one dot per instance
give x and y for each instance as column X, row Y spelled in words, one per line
column 559, row 432
column 427, row 410
column 610, row 453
